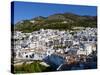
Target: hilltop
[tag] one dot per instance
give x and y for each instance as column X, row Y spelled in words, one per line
column 61, row 21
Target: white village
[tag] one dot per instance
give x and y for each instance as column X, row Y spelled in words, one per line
column 57, row 46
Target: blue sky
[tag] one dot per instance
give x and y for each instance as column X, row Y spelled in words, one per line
column 29, row 10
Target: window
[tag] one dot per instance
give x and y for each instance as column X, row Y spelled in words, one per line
column 26, row 56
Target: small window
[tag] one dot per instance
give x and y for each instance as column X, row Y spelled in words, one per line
column 26, row 56
column 32, row 55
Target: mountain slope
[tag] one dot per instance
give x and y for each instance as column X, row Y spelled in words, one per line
column 56, row 21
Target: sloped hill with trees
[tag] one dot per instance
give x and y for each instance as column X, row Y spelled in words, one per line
column 61, row 21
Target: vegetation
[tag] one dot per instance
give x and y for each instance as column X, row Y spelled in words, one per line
column 56, row 22
column 29, row 68
column 59, row 46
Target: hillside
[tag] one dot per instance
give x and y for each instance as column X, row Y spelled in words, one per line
column 59, row 21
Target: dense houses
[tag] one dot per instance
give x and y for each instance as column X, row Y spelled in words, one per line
column 48, row 43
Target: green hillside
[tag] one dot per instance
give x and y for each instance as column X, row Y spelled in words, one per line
column 63, row 21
